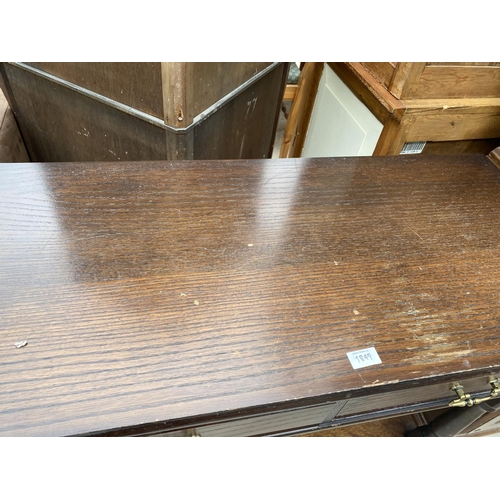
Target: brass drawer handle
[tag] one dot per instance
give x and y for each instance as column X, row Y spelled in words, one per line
column 466, row 399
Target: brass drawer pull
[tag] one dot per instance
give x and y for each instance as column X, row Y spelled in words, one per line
column 467, row 400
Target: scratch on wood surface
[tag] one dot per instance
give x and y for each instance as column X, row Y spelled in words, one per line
column 415, row 232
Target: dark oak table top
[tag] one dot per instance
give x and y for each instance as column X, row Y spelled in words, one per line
column 156, row 292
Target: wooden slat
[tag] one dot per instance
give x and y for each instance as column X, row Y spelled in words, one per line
column 382, row 71
column 391, row 139
column 405, row 79
column 487, row 64
column 301, row 110
column 456, row 127
column 174, row 87
column 442, row 82
column 489, row 105
column 290, row 92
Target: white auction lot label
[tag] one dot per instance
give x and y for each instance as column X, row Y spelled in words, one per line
column 364, row 357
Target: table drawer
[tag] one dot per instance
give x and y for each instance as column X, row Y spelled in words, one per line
column 269, row 424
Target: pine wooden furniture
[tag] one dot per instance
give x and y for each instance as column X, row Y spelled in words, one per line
column 453, row 107
column 145, row 111
column 222, row 297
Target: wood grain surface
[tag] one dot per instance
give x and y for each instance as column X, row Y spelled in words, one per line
column 154, row 291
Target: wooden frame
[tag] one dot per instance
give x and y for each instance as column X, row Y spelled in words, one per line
column 409, row 117
column 301, row 110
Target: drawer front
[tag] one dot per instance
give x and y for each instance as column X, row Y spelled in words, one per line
column 270, row 424
column 438, row 395
column 347, row 411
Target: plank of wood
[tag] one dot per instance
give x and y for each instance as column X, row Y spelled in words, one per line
column 405, row 79
column 175, row 94
column 301, row 111
column 290, row 92
column 469, row 105
column 165, row 293
column 382, row 71
column 457, row 82
column 391, row 139
column 455, row 127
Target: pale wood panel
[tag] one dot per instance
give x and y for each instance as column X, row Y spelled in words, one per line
column 290, row 92
column 456, row 127
column 406, row 77
column 463, row 64
column 382, row 71
column 391, row 139
column 468, row 105
column 457, row 81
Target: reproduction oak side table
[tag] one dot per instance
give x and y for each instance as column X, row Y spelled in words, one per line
column 245, row 297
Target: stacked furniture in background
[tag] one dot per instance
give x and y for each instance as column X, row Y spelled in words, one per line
column 364, row 109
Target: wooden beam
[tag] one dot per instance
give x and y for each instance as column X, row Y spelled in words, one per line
column 290, row 92
column 301, row 110
column 369, row 91
column 405, row 78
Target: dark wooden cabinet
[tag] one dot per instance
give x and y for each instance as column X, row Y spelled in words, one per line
column 145, row 111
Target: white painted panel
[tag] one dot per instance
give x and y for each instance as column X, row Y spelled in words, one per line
column 341, row 125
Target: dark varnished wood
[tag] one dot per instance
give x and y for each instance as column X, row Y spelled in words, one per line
column 162, row 295
column 136, row 84
column 226, row 110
